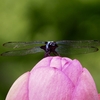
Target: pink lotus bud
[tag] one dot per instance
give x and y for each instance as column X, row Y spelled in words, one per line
column 55, row 78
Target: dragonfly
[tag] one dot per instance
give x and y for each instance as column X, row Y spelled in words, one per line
column 57, row 48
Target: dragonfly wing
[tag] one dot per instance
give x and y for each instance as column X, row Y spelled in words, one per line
column 22, row 52
column 72, row 50
column 79, row 43
column 16, row 45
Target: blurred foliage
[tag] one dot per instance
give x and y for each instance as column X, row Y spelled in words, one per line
column 24, row 20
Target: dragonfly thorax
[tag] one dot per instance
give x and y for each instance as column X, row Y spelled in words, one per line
column 49, row 48
column 50, row 45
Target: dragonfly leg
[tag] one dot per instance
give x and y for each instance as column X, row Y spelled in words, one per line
column 47, row 54
column 56, row 53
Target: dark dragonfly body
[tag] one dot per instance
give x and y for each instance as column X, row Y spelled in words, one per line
column 49, row 48
column 62, row 48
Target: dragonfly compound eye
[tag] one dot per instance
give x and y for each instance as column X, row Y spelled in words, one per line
column 52, row 43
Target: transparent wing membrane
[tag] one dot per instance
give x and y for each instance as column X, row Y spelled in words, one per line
column 22, row 52
column 65, row 51
column 80, row 43
column 69, row 47
column 16, row 45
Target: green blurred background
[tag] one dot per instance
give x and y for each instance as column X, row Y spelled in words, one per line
column 30, row 20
